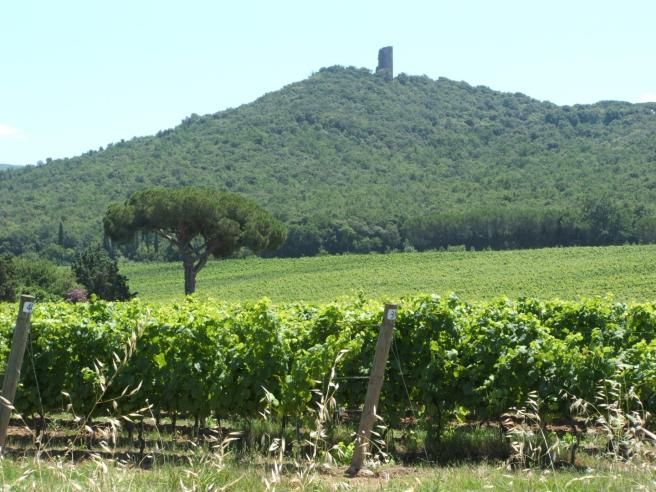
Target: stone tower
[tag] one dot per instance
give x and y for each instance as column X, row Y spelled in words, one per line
column 385, row 66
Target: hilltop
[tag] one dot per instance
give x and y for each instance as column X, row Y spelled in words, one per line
column 356, row 163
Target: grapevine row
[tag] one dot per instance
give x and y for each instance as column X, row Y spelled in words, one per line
column 202, row 358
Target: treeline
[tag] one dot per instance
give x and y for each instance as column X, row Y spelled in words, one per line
column 600, row 222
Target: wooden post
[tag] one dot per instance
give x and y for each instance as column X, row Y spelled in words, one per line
column 14, row 363
column 374, row 387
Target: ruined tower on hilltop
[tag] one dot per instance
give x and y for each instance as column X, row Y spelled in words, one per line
column 385, row 66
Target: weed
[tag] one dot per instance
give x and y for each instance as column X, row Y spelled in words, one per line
column 620, row 416
column 531, row 445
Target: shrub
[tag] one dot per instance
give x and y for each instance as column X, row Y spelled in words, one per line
column 42, row 278
column 76, row 295
column 98, row 273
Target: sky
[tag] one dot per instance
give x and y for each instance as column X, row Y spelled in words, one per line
column 76, row 75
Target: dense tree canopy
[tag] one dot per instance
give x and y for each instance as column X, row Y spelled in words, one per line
column 348, row 161
column 199, row 222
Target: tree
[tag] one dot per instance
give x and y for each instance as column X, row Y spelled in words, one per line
column 60, row 234
column 199, row 222
column 98, row 273
column 302, row 240
column 607, row 221
column 7, row 278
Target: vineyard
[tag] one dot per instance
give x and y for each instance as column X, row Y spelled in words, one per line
column 565, row 273
column 199, row 360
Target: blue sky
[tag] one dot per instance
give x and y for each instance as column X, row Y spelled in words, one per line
column 78, row 74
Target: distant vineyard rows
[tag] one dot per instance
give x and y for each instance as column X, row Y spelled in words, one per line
column 200, row 359
column 555, row 273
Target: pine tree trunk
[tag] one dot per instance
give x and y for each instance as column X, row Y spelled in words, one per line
column 189, row 275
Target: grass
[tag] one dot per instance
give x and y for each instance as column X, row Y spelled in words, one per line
column 468, row 458
column 211, row 474
column 626, row 272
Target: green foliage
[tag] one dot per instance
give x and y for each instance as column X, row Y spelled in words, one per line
column 198, row 222
column 198, row 359
column 224, row 221
column 7, row 278
column 354, row 164
column 98, row 273
column 42, row 278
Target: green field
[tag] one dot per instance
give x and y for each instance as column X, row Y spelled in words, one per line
column 625, row 272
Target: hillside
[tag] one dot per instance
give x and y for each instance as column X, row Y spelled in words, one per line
column 354, row 163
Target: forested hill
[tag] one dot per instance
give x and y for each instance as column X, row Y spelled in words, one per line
column 353, row 163
column 6, row 166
